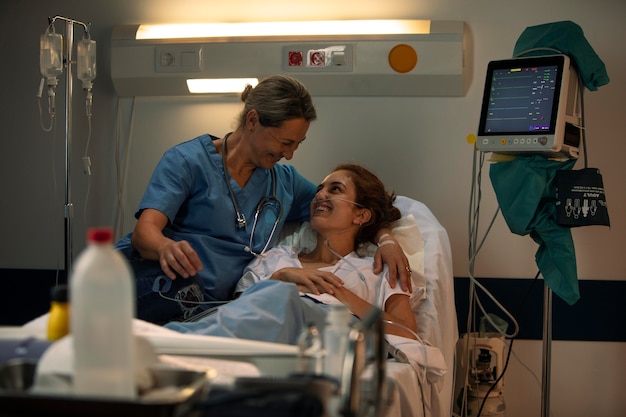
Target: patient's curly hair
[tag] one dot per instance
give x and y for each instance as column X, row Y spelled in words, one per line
column 371, row 194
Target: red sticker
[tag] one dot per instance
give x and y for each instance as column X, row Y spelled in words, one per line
column 318, row 59
column 295, row 59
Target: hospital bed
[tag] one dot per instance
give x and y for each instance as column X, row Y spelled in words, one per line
column 418, row 377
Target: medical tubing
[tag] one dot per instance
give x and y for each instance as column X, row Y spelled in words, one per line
column 403, row 327
column 476, row 190
column 527, row 51
column 475, row 300
column 343, row 258
column 314, row 201
column 472, row 233
column 189, row 301
column 204, row 313
column 87, row 165
column 474, row 247
column 52, row 118
column 88, row 103
column 122, row 172
column 51, row 106
column 420, row 380
column 423, row 345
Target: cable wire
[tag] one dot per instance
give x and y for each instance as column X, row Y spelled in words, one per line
column 87, row 168
column 475, row 244
column 122, row 172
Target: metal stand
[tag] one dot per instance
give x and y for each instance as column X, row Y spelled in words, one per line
column 69, row 207
column 547, row 351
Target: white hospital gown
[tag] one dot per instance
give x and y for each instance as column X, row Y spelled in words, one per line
column 357, row 274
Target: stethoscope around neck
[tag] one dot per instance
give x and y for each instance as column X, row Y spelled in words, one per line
column 240, row 218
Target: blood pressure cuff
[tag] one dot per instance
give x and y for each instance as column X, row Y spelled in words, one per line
column 580, row 198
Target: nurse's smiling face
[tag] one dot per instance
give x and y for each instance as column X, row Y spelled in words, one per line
column 276, row 143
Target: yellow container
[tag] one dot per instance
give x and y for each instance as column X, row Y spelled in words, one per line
column 59, row 317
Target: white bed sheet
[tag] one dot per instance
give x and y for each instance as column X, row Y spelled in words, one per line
column 436, row 315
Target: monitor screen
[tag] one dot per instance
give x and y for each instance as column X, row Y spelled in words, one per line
column 524, row 108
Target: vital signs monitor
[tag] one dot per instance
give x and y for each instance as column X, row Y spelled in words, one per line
column 531, row 106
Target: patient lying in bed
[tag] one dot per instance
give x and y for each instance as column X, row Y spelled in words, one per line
column 288, row 288
column 351, row 205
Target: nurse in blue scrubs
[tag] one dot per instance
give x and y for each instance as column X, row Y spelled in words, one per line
column 214, row 203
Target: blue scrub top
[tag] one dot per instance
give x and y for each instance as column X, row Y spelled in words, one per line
column 189, row 187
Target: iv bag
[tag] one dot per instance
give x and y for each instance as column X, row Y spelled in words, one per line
column 51, row 55
column 86, row 63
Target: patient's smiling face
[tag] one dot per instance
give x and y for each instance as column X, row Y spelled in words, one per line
column 333, row 208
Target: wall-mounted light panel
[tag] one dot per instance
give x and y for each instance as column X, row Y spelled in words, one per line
column 433, row 60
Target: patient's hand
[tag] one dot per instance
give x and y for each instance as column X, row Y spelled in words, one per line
column 311, row 281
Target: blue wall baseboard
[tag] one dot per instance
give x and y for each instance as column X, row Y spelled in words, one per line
column 599, row 315
column 26, row 293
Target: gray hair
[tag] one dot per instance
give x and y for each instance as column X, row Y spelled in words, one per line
column 277, row 98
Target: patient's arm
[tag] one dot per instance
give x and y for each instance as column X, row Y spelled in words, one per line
column 393, row 256
column 397, row 309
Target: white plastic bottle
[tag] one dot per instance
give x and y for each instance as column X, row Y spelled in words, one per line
column 103, row 307
column 335, row 340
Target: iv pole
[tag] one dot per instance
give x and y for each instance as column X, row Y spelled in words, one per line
column 547, row 351
column 69, row 207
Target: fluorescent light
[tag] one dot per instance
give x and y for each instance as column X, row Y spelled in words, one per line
column 219, row 85
column 304, row 28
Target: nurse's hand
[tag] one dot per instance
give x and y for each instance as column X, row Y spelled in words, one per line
column 179, row 258
column 311, row 281
column 174, row 257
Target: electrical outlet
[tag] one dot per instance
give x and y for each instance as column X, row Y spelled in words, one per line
column 178, row 58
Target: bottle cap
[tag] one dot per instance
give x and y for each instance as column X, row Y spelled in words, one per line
column 100, row 235
column 59, row 293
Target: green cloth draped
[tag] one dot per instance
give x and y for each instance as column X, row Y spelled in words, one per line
column 525, row 186
column 568, row 38
column 526, row 192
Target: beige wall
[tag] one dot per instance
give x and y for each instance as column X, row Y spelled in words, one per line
column 422, row 139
